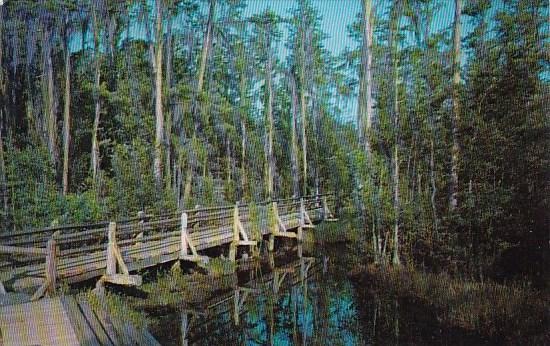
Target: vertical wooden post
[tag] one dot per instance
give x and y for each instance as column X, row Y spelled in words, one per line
column 111, row 257
column 235, row 242
column 274, row 227
column 183, row 236
column 141, row 216
column 302, row 222
column 184, row 328
column 236, row 300
column 275, row 281
column 51, row 266
column 325, row 208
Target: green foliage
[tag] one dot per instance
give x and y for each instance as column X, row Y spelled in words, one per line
column 132, row 186
column 219, row 266
column 254, row 213
column 82, row 208
column 34, row 197
column 511, row 312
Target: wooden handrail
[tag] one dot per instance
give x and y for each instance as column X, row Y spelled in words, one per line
column 15, row 250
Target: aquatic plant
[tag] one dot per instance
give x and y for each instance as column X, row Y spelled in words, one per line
column 219, row 266
column 502, row 312
column 117, row 306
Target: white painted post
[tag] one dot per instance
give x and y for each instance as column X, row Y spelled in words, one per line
column 183, row 236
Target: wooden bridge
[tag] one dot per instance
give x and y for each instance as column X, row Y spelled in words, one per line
column 111, row 251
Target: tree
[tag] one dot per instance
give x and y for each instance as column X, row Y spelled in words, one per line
column 365, row 104
column 50, row 100
column 97, row 14
column 269, row 110
column 455, row 123
column 66, row 33
column 293, row 139
column 205, row 53
column 394, row 53
column 159, row 114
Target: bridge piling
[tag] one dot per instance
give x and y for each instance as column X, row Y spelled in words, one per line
column 48, row 287
column 183, row 236
column 111, row 260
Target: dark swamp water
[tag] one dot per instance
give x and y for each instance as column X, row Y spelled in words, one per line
column 293, row 300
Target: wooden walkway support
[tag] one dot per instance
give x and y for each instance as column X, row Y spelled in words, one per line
column 238, row 233
column 114, row 261
column 111, row 251
column 327, row 214
column 66, row 321
column 186, row 244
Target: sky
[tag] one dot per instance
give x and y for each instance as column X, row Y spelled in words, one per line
column 336, row 16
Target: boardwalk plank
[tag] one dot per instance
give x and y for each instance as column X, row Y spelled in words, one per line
column 94, row 322
column 37, row 323
column 84, row 332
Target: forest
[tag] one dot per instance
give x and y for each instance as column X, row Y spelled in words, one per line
column 432, row 128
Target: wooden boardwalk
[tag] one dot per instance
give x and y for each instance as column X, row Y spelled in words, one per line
column 66, row 321
column 111, row 251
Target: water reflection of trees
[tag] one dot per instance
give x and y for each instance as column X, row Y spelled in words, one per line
column 290, row 303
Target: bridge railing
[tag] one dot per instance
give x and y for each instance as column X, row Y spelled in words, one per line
column 81, row 251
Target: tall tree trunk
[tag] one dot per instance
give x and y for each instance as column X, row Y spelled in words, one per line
column 243, row 160
column 169, row 111
column 293, row 141
column 303, row 107
column 269, row 114
column 433, row 185
column 393, row 43
column 3, row 80
column 365, row 106
column 206, row 45
column 455, row 123
column 66, row 116
column 3, row 181
column 423, row 42
column 195, row 106
column 229, row 160
column 316, row 111
column 396, row 206
column 97, row 99
column 159, row 115
column 50, row 103
column 242, row 118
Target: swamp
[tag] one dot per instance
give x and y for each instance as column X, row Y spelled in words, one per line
column 275, row 172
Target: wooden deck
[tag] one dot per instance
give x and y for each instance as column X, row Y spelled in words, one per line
column 112, row 250
column 66, row 321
